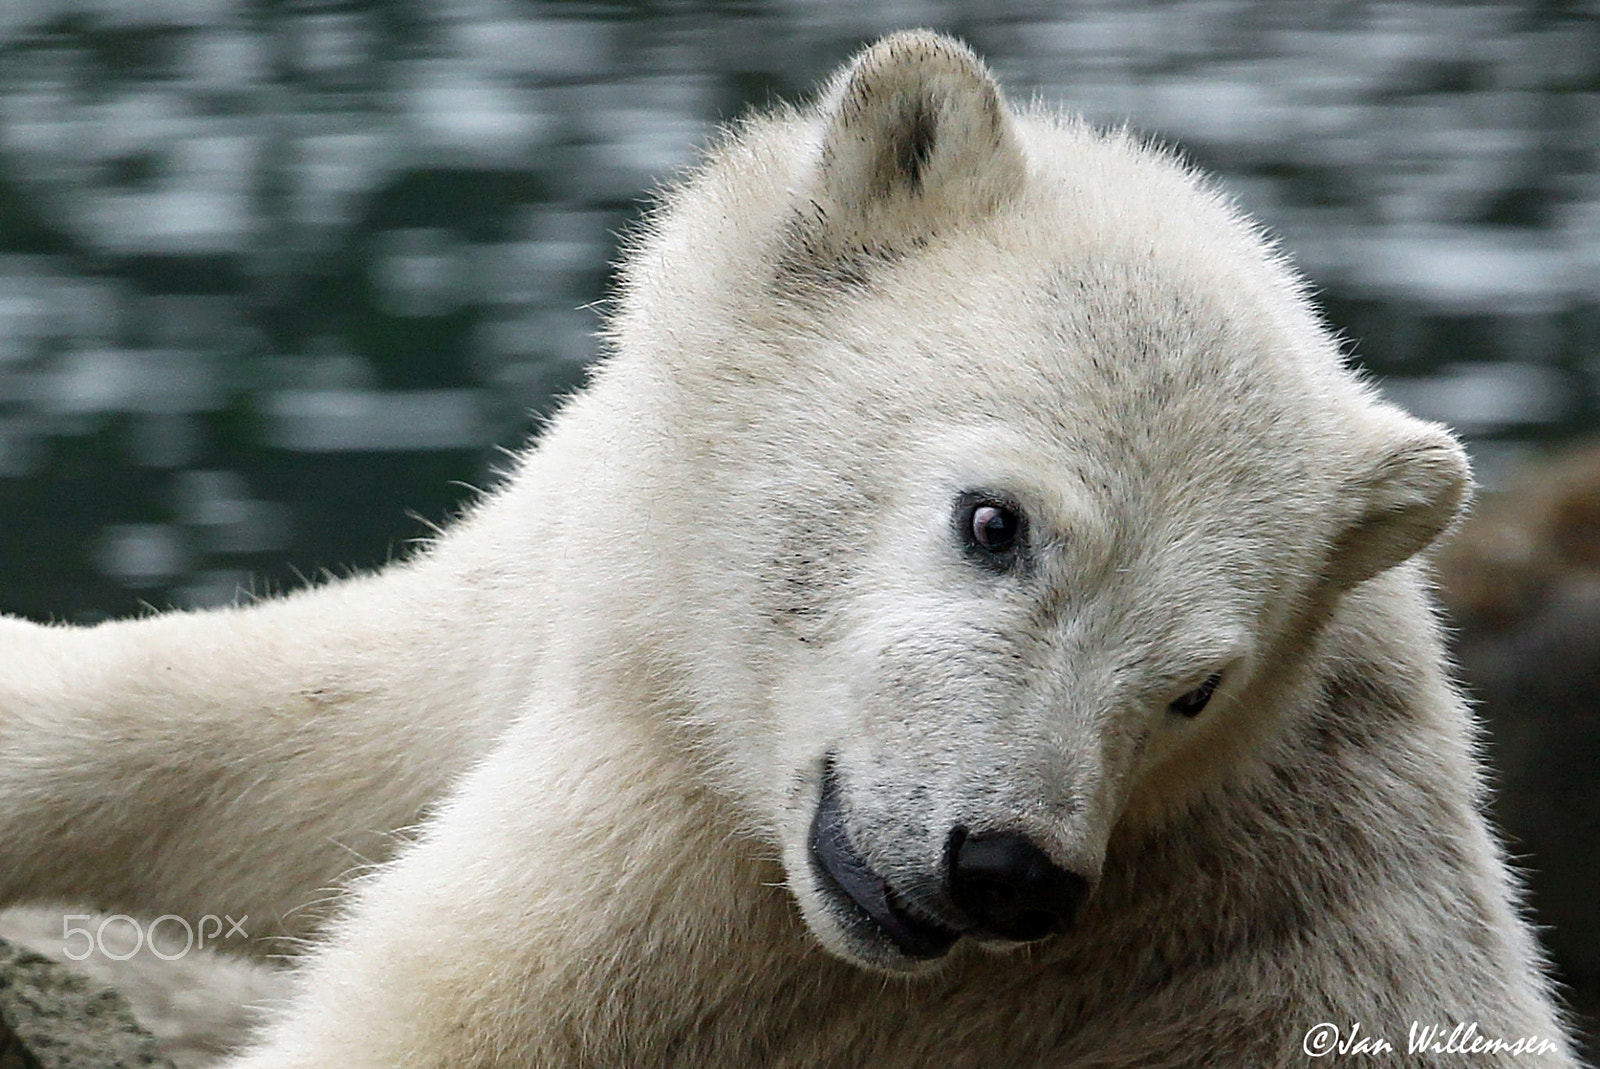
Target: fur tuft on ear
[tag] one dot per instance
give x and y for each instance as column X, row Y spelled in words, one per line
column 917, row 139
column 1414, row 487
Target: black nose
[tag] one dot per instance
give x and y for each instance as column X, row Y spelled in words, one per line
column 1010, row 888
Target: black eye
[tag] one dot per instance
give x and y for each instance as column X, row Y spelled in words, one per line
column 1195, row 700
column 994, row 528
column 990, row 528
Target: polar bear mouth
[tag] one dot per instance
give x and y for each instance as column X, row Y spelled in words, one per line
column 867, row 896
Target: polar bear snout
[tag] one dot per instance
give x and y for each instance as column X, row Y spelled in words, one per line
column 998, row 886
column 872, row 907
column 1010, row 888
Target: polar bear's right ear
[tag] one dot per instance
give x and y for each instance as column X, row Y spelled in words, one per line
column 1413, row 487
column 917, row 140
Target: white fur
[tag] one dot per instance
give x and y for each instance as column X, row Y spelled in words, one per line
column 608, row 693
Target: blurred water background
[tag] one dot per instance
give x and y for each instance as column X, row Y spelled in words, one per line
column 277, row 277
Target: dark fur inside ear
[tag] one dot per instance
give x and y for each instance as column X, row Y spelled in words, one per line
column 917, row 140
column 1412, row 491
column 914, row 147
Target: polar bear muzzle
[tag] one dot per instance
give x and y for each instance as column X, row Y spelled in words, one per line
column 870, row 904
column 1003, row 886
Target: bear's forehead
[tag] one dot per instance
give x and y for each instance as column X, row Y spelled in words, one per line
column 1170, row 429
column 1086, row 339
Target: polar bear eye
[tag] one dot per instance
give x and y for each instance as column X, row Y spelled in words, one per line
column 1190, row 703
column 990, row 527
column 994, row 528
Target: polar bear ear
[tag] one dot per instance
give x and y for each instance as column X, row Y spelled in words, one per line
column 917, row 140
column 1413, row 487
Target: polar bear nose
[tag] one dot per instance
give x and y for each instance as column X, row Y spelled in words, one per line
column 1010, row 888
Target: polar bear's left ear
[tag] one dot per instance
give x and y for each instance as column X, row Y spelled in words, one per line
column 917, row 139
column 1413, row 488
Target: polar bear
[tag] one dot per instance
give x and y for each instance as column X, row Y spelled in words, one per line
column 973, row 618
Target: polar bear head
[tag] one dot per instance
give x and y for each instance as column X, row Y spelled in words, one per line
column 1022, row 476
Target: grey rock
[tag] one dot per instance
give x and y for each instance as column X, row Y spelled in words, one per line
column 52, row 1018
